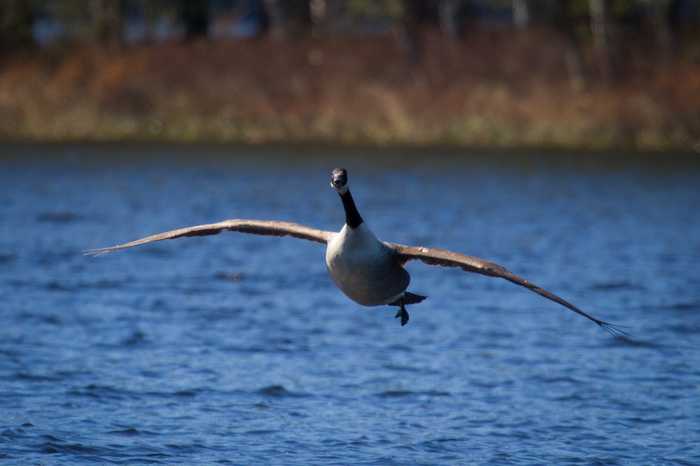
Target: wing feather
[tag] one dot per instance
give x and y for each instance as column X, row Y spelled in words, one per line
column 445, row 258
column 257, row 227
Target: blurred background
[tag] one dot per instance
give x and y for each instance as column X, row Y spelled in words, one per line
column 558, row 138
column 509, row 73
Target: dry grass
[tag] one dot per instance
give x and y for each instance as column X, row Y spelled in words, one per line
column 493, row 89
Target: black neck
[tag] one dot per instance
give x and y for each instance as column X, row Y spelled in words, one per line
column 352, row 216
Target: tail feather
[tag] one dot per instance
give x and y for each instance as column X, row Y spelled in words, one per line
column 409, row 298
column 412, row 298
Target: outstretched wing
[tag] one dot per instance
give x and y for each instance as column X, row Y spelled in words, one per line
column 256, row 227
column 445, row 258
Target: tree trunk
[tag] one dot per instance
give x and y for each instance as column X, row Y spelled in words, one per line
column 16, row 25
column 521, row 13
column 194, row 15
column 600, row 28
column 449, row 18
column 329, row 15
column 409, row 30
column 660, row 20
column 560, row 12
column 106, row 17
column 289, row 18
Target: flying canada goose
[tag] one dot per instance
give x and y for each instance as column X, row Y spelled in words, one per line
column 369, row 271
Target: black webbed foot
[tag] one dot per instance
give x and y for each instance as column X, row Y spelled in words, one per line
column 402, row 313
column 404, row 317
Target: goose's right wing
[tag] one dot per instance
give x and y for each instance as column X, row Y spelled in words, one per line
column 256, row 227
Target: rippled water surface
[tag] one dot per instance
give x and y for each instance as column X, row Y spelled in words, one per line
column 239, row 350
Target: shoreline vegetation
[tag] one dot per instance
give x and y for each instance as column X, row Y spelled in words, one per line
column 494, row 88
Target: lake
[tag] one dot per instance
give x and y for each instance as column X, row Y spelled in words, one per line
column 238, row 349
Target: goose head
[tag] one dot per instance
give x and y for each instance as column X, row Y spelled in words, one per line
column 339, row 180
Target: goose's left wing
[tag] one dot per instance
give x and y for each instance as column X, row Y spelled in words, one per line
column 445, row 258
column 257, row 227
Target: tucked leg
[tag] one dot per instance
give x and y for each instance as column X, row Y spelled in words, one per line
column 402, row 313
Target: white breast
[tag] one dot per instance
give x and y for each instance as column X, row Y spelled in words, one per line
column 364, row 268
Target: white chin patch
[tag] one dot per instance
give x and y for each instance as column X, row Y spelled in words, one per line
column 341, row 190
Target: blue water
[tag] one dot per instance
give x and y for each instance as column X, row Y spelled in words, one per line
column 239, row 350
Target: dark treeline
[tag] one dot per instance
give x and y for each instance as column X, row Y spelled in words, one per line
column 105, row 20
column 602, row 26
column 574, row 73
